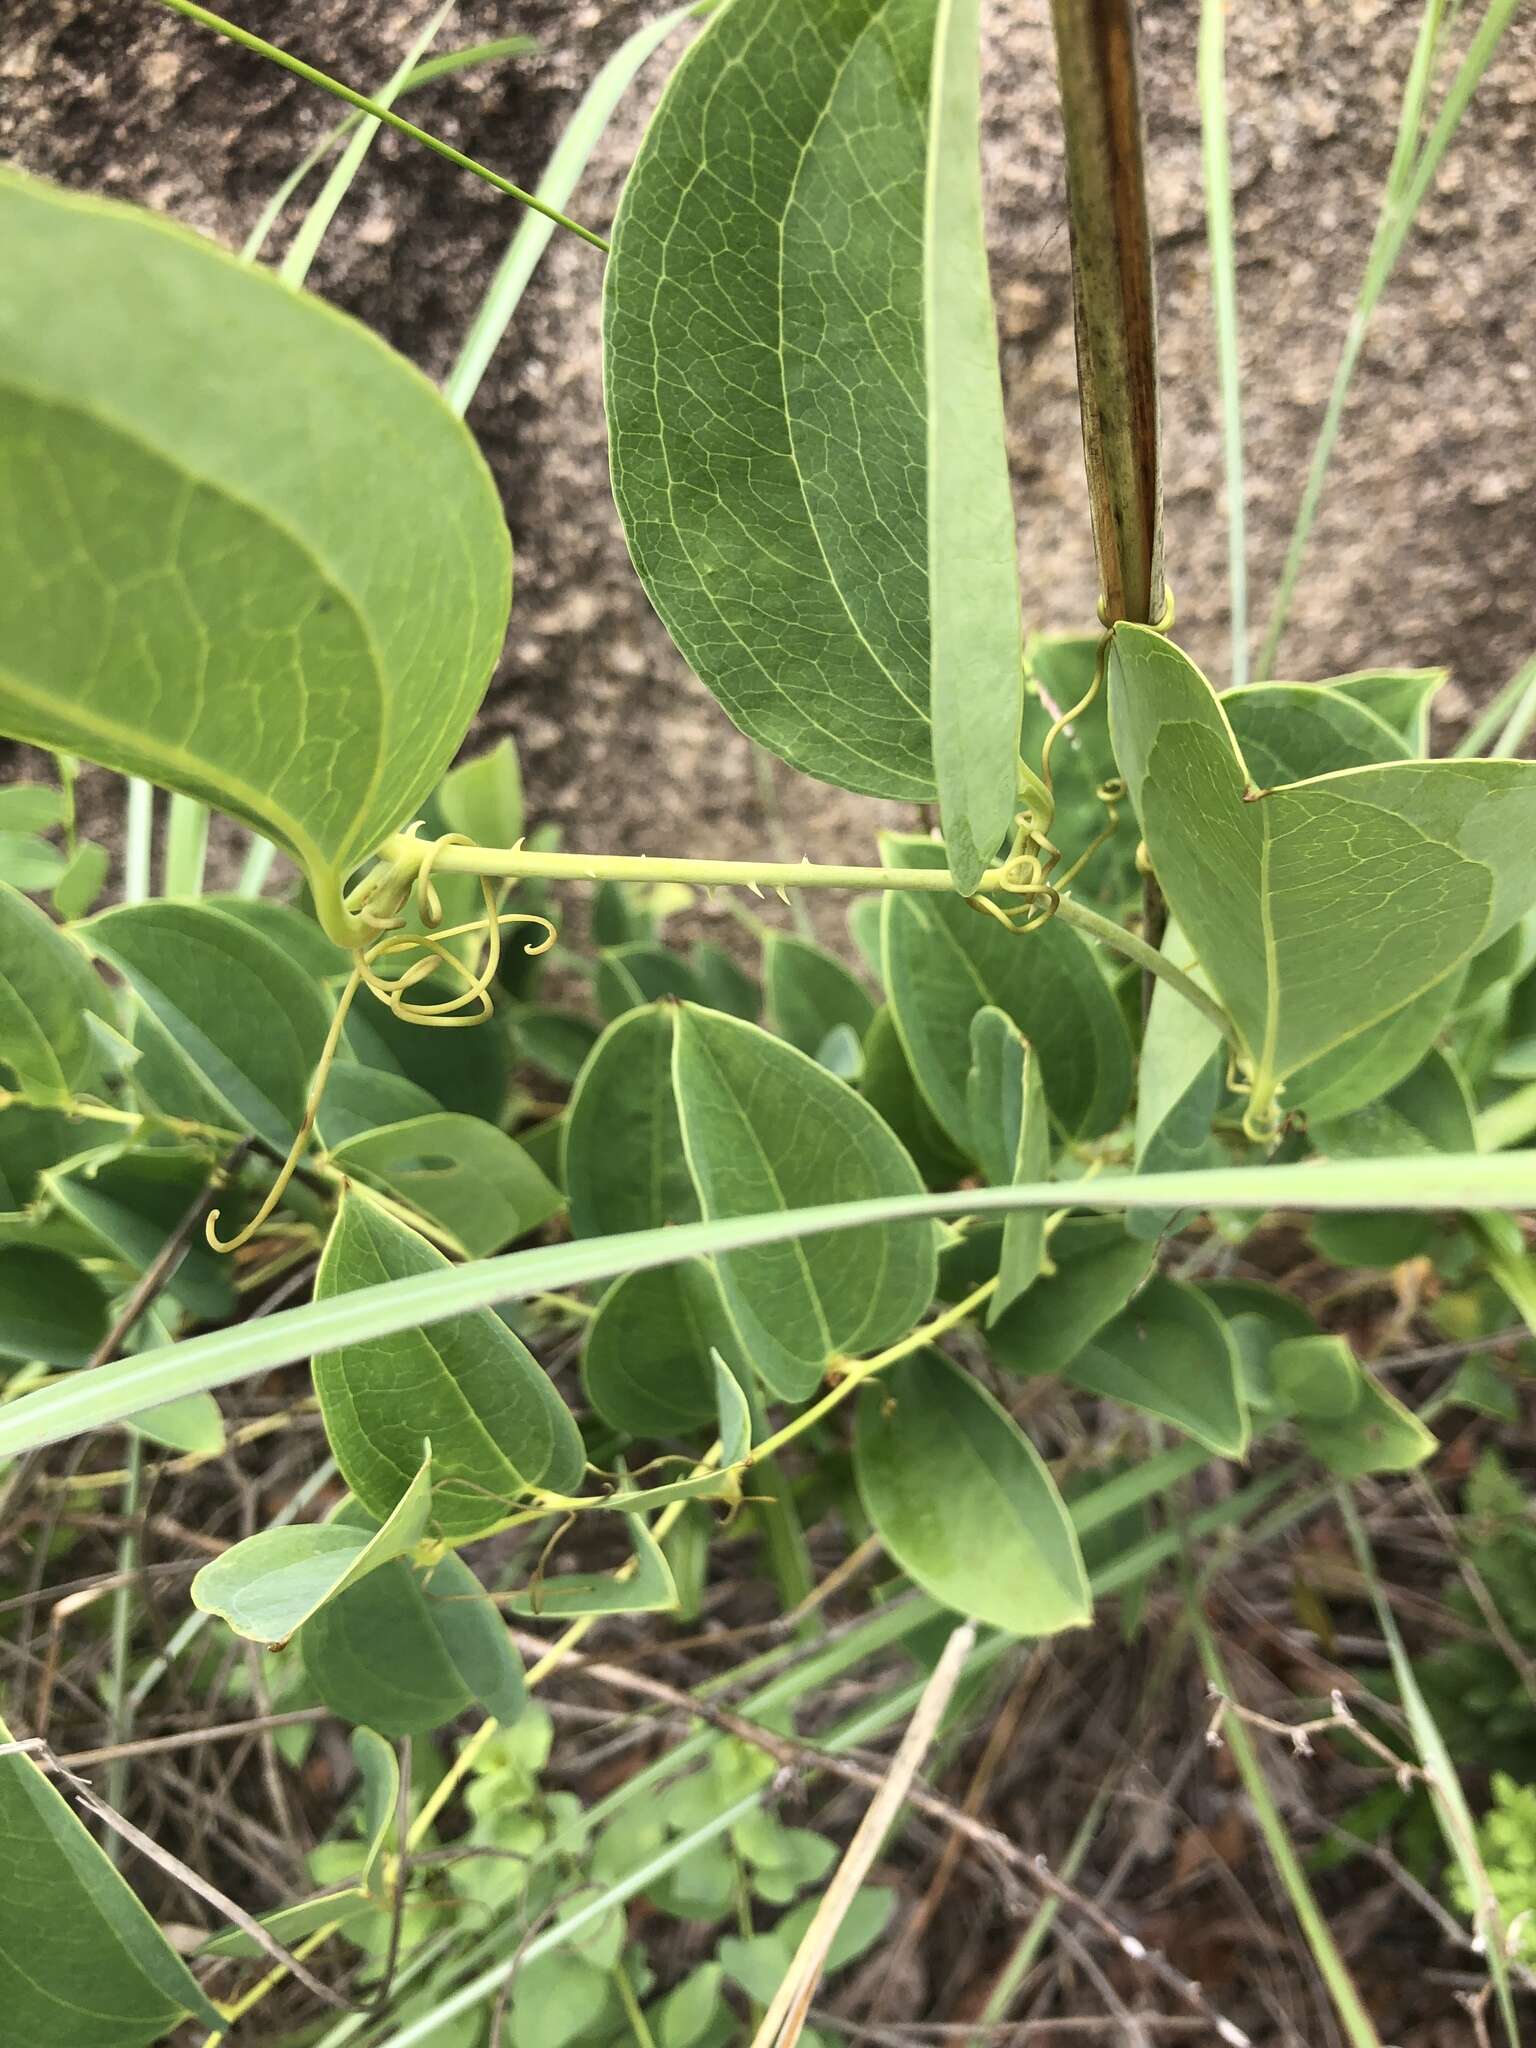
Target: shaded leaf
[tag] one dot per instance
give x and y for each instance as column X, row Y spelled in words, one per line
column 961, row 1499
column 646, row 1365
column 51, row 1310
column 496, row 1425
column 809, row 994
column 360, row 1099
column 47, row 990
column 1011, row 1137
column 1170, row 1354
column 1098, row 1267
column 80, row 1959
column 765, row 1128
column 460, row 1172
column 945, row 961
column 1431, row 1111
column 483, row 797
column 236, row 1022
column 622, row 1146
column 641, row 972
column 269, row 1586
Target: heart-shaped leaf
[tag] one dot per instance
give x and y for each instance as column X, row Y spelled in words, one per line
column 463, row 1174
column 646, row 1367
column 622, row 1148
column 270, row 1585
column 765, row 1128
column 768, row 398
column 495, row 1423
column 80, row 1959
column 297, row 620
column 231, row 1029
column 944, row 961
column 963, row 1502
column 47, row 991
column 1319, row 908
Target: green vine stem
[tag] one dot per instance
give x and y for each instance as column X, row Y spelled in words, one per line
column 377, row 111
column 403, row 854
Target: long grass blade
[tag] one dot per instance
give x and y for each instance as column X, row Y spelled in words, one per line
column 1446, row 1795
column 565, row 167
column 305, row 245
column 424, row 73
column 261, row 48
column 1505, row 717
column 1414, row 176
column 186, row 846
column 95, row 1399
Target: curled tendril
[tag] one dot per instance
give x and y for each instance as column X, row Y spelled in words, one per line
column 378, row 901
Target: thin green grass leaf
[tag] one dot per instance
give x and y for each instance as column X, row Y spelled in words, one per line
column 565, row 167
column 95, row 1399
column 424, row 73
column 305, row 245
column 261, row 48
column 1410, row 179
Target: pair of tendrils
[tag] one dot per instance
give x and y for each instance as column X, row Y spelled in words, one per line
column 379, row 903
column 1029, row 871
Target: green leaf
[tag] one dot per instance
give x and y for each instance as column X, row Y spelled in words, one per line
column 1431, row 1111
column 379, row 1769
column 83, row 879
column 1401, row 697
column 47, row 990
column 131, row 1202
column 1169, row 1353
column 291, row 930
column 648, row 1589
column 975, row 649
column 622, row 1149
column 641, row 972
column 1290, row 731
column 483, row 797
column 466, row 1072
column 558, row 1041
column 1316, row 1378
column 270, row 1585
column 405, row 1652
column 80, row 1960
column 765, row 1128
column 238, row 1025
column 327, row 646
column 32, row 1140
column 1097, row 1268
column 944, row 961
column 51, row 1310
column 764, row 362
column 1058, row 669
column 461, row 1173
column 723, row 985
column 496, row 1425
column 1298, row 901
column 192, row 1424
column 29, row 863
column 1011, row 1137
column 1372, row 1239
column 1257, row 1319
column 1373, row 1432
column 1496, row 1181
column 359, row 1099
column 646, row 1365
column 31, row 807
column 1376, row 1059
column 1180, row 1083
column 889, row 1086
column 809, row 993
column 963, row 1502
